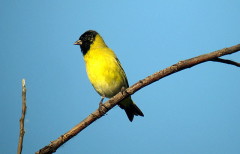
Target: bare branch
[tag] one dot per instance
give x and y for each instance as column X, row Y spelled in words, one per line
column 24, row 108
column 54, row 145
column 226, row 61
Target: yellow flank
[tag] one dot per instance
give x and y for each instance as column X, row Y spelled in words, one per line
column 103, row 69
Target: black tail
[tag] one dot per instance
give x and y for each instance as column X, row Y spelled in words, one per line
column 131, row 109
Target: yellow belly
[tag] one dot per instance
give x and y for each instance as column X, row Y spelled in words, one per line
column 105, row 72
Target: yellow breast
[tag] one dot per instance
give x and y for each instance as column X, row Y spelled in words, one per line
column 104, row 71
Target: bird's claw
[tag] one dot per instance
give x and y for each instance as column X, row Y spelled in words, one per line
column 101, row 105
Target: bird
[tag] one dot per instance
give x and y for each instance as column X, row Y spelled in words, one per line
column 104, row 71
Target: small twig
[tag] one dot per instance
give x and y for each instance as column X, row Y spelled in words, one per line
column 24, row 108
column 54, row 145
column 226, row 61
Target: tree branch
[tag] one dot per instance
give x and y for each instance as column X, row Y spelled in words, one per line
column 24, row 108
column 181, row 65
column 226, row 61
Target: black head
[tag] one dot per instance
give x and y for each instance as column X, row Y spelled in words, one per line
column 85, row 40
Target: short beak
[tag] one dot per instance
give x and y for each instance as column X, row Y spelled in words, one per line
column 78, row 42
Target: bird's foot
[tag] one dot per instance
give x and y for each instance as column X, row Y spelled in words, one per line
column 123, row 89
column 101, row 105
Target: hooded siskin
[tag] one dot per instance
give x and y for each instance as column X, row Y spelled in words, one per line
column 105, row 71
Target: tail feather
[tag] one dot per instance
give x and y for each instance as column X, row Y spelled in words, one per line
column 131, row 109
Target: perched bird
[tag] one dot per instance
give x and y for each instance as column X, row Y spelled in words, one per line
column 105, row 71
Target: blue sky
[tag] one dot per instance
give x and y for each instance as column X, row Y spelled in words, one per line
column 193, row 111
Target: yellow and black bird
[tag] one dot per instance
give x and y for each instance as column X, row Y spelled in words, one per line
column 105, row 71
